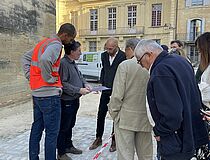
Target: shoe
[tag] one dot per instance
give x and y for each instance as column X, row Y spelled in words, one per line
column 73, row 150
column 113, row 146
column 96, row 143
column 63, row 157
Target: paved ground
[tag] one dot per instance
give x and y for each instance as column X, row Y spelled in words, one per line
column 15, row 123
column 16, row 148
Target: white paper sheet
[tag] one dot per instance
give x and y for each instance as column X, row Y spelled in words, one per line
column 99, row 88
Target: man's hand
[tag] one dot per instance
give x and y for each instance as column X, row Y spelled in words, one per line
column 205, row 117
column 157, row 138
column 88, row 87
column 84, row 91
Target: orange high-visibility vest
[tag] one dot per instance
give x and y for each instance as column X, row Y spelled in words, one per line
column 36, row 80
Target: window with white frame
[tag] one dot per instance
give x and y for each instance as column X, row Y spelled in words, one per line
column 156, row 14
column 195, row 28
column 112, row 18
column 93, row 20
column 197, row 2
column 132, row 16
column 92, row 46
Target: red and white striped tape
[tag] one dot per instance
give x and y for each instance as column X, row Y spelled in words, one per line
column 102, row 148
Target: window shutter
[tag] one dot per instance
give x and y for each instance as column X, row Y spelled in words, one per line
column 206, row 2
column 188, row 29
column 187, row 3
column 203, row 25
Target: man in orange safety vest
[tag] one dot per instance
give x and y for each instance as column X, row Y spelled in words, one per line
column 40, row 66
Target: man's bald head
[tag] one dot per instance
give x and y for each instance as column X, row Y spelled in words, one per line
column 113, row 41
column 111, row 46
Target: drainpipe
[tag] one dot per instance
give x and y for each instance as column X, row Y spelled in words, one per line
column 176, row 18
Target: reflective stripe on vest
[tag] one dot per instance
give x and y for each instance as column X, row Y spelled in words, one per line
column 36, row 80
column 37, row 64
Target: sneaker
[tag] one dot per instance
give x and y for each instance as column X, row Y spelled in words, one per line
column 73, row 150
column 63, row 157
column 96, row 143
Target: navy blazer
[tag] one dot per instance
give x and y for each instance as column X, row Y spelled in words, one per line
column 174, row 100
column 108, row 71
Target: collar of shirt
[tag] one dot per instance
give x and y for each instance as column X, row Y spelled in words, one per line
column 111, row 59
column 150, row 68
column 69, row 60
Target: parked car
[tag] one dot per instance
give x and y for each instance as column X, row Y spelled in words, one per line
column 90, row 65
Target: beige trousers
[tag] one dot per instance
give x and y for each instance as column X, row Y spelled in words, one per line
column 128, row 142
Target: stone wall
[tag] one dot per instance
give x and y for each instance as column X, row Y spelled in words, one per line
column 22, row 24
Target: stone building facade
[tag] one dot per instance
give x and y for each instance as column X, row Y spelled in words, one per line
column 161, row 20
column 193, row 19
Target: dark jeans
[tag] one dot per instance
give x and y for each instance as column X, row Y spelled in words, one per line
column 46, row 113
column 69, row 110
column 102, row 111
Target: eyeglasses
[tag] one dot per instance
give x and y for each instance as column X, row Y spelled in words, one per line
column 139, row 60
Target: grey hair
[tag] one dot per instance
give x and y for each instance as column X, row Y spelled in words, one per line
column 132, row 43
column 147, row 46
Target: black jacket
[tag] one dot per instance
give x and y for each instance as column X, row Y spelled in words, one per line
column 107, row 71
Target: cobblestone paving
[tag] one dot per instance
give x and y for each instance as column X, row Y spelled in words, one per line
column 16, row 148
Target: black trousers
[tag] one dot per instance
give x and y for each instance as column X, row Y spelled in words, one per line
column 102, row 111
column 69, row 110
